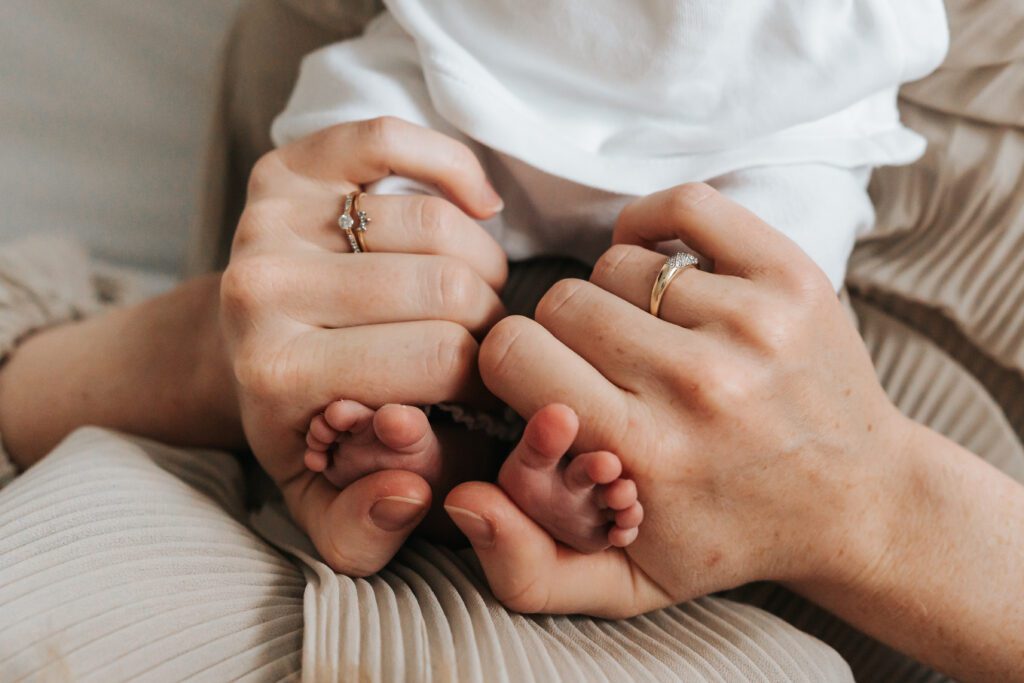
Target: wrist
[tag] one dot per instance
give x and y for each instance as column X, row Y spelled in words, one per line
column 939, row 576
column 876, row 495
column 213, row 381
column 214, row 377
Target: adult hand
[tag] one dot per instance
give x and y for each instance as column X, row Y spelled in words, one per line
column 750, row 418
column 307, row 322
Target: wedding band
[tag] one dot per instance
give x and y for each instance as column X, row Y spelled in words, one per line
column 675, row 264
column 347, row 223
column 363, row 221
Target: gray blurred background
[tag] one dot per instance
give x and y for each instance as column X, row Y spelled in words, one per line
column 103, row 111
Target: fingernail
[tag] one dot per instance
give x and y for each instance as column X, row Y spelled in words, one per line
column 478, row 530
column 395, row 512
column 493, row 199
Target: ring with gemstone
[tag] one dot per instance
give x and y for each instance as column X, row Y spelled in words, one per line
column 363, row 221
column 675, row 264
column 348, row 224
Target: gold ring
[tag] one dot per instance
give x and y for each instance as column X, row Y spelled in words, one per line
column 360, row 228
column 347, row 223
column 675, row 264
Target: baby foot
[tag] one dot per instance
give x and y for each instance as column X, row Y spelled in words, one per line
column 348, row 441
column 580, row 501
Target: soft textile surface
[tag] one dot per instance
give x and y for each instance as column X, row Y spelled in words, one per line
column 126, row 561
column 633, row 97
column 103, row 107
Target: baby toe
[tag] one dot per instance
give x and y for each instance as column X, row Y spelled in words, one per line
column 320, row 435
column 402, row 428
column 620, row 494
column 589, row 469
column 620, row 538
column 550, row 432
column 348, row 416
column 315, row 460
column 547, row 437
column 630, row 517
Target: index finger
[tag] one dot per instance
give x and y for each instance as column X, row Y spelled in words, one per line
column 736, row 240
column 364, row 151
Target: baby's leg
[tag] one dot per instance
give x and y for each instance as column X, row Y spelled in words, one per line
column 581, row 501
column 348, row 441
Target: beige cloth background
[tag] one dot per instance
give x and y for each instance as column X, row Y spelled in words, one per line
column 121, row 559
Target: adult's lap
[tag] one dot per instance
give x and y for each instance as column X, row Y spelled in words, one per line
column 122, row 559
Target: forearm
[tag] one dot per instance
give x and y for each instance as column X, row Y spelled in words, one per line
column 156, row 369
column 948, row 588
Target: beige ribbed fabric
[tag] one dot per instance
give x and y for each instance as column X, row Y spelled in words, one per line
column 125, row 560
column 121, row 559
column 427, row 617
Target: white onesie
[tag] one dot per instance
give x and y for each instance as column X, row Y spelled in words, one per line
column 577, row 106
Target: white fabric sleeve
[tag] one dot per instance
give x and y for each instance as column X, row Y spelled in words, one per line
column 822, row 208
column 635, row 97
column 376, row 74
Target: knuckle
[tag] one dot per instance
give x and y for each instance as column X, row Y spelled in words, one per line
column 715, row 388
column 758, row 319
column 456, row 285
column 454, row 356
column 383, row 132
column 684, row 198
column 249, row 283
column 736, row 312
column 771, row 324
column 256, row 224
column 500, row 348
column 810, row 282
column 726, row 391
column 434, row 219
column 556, row 298
column 743, row 309
column 768, row 331
column 460, row 159
column 264, row 173
column 607, row 267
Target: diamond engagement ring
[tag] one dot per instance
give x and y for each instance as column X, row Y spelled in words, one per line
column 675, row 264
column 348, row 224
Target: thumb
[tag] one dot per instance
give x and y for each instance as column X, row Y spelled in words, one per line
column 359, row 529
column 529, row 572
